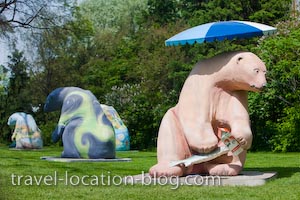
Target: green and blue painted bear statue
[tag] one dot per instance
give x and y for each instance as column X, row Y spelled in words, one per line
column 84, row 128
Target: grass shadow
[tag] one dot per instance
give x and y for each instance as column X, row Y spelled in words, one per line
column 282, row 172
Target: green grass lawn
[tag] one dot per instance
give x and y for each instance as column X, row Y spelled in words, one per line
column 14, row 164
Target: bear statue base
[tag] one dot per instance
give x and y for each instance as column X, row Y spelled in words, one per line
column 18, row 149
column 245, row 178
column 60, row 159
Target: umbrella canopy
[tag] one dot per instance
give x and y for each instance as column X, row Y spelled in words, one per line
column 220, row 31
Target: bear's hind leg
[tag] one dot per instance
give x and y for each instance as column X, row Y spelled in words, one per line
column 171, row 146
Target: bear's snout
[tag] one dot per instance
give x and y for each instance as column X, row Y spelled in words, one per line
column 259, row 88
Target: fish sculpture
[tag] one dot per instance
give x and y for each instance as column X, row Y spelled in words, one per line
column 200, row 158
column 84, row 128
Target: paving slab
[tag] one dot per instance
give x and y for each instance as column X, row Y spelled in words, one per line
column 245, row 178
column 59, row 159
column 17, row 149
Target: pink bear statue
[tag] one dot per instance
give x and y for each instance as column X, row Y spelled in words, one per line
column 214, row 95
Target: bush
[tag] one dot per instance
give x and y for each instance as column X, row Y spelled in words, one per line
column 287, row 138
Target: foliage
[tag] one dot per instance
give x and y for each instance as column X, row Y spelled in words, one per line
column 162, row 12
column 16, row 98
column 127, row 100
column 61, row 53
column 32, row 14
column 288, row 128
column 3, row 79
column 277, row 108
column 113, row 15
column 116, row 50
column 271, row 11
column 199, row 12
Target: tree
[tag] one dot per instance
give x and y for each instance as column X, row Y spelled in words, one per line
column 114, row 15
column 116, row 49
column 17, row 97
column 30, row 13
column 275, row 112
column 3, row 79
column 62, row 51
column 162, row 12
column 271, row 11
column 141, row 77
column 3, row 93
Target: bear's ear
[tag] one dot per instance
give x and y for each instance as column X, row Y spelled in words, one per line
column 239, row 59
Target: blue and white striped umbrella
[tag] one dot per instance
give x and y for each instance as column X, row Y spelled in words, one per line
column 220, row 31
